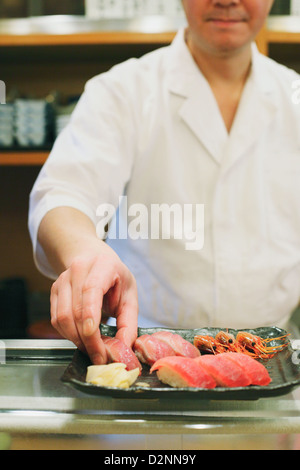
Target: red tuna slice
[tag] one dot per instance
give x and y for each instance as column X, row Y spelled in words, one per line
column 256, row 371
column 225, row 372
column 178, row 371
column 149, row 349
column 117, row 351
column 181, row 346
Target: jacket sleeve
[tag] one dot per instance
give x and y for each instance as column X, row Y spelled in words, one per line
column 91, row 161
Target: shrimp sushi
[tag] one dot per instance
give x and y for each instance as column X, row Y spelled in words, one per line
column 182, row 372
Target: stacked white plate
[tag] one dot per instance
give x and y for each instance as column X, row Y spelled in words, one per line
column 33, row 121
column 6, row 125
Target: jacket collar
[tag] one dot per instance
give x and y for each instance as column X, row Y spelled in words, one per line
column 200, row 111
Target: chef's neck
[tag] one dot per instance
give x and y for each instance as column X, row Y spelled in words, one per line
column 230, row 69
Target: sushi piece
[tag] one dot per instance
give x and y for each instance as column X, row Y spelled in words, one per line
column 117, row 351
column 178, row 371
column 226, row 372
column 256, row 371
column 181, row 346
column 149, row 349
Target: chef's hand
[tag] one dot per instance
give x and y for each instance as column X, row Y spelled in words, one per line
column 93, row 280
column 92, row 285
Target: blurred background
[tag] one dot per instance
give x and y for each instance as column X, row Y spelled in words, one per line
column 48, row 50
column 23, row 8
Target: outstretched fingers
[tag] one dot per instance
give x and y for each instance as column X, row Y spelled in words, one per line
column 82, row 291
column 127, row 316
column 61, row 311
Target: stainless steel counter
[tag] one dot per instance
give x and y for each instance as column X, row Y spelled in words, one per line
column 34, row 400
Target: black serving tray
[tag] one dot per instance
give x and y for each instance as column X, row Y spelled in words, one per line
column 284, row 371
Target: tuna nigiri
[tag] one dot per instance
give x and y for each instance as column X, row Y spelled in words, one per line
column 181, row 346
column 226, row 372
column 256, row 371
column 117, row 351
column 178, row 371
column 149, row 349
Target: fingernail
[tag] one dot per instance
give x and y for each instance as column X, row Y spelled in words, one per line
column 88, row 327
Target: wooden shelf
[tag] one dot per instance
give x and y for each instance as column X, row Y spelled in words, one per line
column 22, row 158
column 121, row 38
column 272, row 33
column 93, row 38
column 269, row 36
column 71, row 31
column 283, row 37
column 282, row 30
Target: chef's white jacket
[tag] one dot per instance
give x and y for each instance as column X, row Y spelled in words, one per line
column 150, row 129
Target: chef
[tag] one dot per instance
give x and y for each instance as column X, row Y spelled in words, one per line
column 191, row 156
